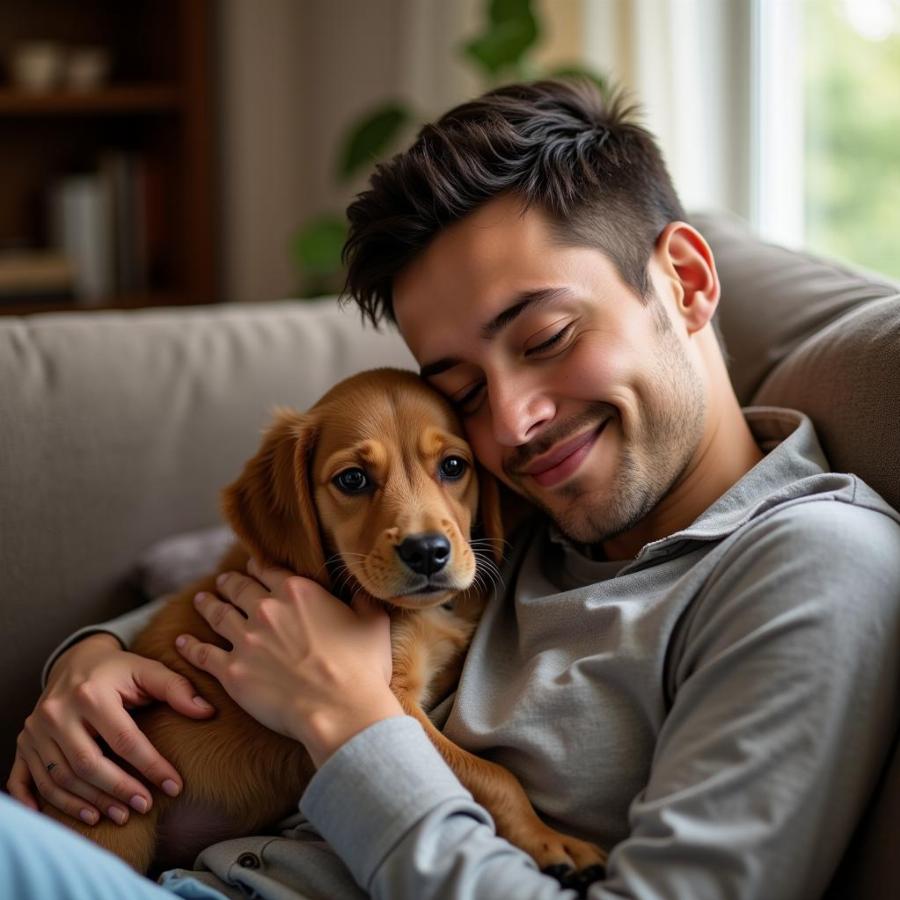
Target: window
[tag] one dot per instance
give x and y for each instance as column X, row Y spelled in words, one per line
column 852, row 130
column 827, row 121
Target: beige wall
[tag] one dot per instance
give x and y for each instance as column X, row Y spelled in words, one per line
column 295, row 73
column 263, row 155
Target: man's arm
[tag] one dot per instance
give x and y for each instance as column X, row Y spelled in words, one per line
column 784, row 701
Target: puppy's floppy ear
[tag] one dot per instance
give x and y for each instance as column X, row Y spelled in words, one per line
column 271, row 506
column 490, row 519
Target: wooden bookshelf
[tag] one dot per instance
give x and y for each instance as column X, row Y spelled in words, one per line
column 26, row 307
column 155, row 109
column 122, row 99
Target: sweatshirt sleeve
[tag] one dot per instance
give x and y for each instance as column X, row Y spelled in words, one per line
column 400, row 819
column 784, row 699
column 125, row 629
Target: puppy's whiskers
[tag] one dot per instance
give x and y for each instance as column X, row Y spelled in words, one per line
column 486, row 542
column 487, row 573
column 342, row 576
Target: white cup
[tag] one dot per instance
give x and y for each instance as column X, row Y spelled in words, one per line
column 37, row 66
column 87, row 68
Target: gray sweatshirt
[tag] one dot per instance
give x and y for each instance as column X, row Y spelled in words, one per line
column 715, row 712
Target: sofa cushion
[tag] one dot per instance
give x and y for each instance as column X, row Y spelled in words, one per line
column 846, row 378
column 774, row 299
column 174, row 562
column 810, row 334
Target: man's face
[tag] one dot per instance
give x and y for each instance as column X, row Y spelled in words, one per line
column 572, row 391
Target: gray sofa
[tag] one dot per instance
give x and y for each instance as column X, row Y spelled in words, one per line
column 118, row 429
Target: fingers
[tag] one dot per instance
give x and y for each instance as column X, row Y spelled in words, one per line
column 223, row 617
column 63, row 733
column 241, row 590
column 207, row 657
column 126, row 740
column 161, row 683
column 271, row 577
column 63, row 789
column 246, row 592
column 80, row 773
column 19, row 783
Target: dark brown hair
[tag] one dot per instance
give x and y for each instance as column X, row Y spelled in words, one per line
column 564, row 147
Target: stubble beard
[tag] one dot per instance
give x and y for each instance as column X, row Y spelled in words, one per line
column 650, row 462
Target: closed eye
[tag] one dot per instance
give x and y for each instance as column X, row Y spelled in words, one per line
column 550, row 343
column 466, row 404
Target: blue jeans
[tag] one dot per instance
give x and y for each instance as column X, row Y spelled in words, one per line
column 42, row 860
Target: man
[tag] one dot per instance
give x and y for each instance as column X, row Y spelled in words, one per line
column 694, row 662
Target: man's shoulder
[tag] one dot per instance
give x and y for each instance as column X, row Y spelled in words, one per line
column 834, row 551
column 819, row 572
column 853, row 517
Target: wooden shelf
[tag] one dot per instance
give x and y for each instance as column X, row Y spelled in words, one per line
column 147, row 140
column 139, row 98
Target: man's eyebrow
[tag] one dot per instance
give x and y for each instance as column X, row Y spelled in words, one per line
column 522, row 301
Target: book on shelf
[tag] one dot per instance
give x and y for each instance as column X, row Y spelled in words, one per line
column 81, row 221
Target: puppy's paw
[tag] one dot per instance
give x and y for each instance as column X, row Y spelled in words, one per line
column 551, row 850
column 577, row 881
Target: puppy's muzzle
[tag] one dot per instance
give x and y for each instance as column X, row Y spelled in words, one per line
column 424, row 554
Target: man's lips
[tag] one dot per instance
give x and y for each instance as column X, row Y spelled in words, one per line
column 564, row 459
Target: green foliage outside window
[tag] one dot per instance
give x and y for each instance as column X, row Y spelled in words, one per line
column 852, row 126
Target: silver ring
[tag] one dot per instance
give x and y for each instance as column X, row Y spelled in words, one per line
column 51, row 767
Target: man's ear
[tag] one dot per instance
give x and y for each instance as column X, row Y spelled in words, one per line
column 687, row 261
column 271, row 505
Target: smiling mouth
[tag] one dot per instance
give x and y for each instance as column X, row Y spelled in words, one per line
column 565, row 459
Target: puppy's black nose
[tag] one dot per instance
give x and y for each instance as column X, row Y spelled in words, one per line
column 425, row 553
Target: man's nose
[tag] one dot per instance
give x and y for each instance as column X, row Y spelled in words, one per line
column 517, row 412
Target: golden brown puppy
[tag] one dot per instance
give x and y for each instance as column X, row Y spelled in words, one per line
column 308, row 502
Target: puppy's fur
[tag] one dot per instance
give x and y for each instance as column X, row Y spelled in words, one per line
column 288, row 510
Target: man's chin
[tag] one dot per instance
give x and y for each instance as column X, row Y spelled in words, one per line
column 577, row 525
column 596, row 519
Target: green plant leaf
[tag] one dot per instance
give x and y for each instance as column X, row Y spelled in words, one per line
column 500, row 11
column 316, row 247
column 371, row 137
column 511, row 31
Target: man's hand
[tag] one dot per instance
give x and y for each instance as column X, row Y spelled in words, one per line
column 302, row 663
column 90, row 689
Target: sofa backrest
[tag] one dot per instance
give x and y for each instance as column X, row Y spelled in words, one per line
column 810, row 334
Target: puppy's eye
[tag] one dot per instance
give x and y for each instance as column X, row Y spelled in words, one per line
column 453, row 467
column 351, row 481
